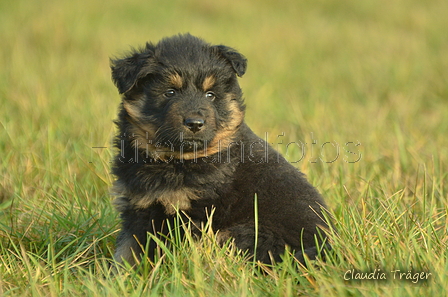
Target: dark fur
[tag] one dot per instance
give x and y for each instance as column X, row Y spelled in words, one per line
column 183, row 144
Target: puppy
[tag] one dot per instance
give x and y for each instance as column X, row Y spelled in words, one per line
column 184, row 149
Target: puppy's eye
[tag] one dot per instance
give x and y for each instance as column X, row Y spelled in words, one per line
column 210, row 95
column 169, row 93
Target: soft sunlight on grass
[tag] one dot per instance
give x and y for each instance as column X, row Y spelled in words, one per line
column 354, row 93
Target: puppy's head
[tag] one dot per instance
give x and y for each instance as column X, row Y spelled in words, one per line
column 181, row 94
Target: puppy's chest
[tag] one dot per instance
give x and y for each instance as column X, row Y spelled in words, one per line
column 175, row 187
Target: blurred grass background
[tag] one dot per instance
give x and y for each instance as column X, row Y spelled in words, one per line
column 325, row 74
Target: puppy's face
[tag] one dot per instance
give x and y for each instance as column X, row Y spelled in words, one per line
column 181, row 97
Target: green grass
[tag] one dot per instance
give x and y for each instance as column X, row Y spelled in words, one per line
column 325, row 74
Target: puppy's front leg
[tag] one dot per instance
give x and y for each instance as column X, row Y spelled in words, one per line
column 136, row 224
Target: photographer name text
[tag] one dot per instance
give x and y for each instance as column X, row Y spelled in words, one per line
column 394, row 274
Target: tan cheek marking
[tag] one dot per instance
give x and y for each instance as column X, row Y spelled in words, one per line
column 142, row 132
column 176, row 80
column 133, row 109
column 231, row 127
column 208, row 83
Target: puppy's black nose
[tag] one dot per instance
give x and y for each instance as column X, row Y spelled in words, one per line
column 194, row 125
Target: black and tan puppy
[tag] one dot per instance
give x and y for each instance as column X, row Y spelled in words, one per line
column 183, row 145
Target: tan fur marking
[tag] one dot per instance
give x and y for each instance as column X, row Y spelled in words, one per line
column 133, row 108
column 142, row 137
column 142, row 133
column 208, row 83
column 176, row 80
column 177, row 200
column 171, row 199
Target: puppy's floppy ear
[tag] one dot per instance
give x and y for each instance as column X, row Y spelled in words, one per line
column 126, row 72
column 237, row 60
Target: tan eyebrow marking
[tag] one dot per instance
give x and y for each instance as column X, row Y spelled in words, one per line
column 208, row 83
column 176, row 80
